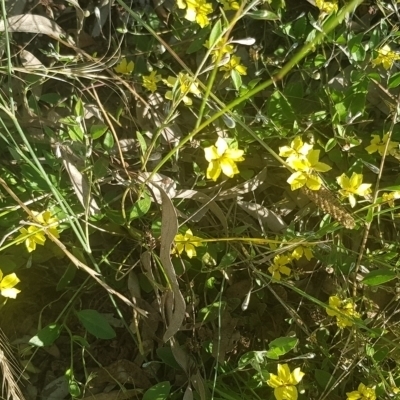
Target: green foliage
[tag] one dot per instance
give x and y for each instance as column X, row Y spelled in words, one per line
column 226, row 171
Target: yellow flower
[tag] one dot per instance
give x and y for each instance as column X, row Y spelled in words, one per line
column 327, row 6
column 297, row 149
column 196, row 10
column 220, row 49
column 186, row 85
column 47, row 220
column 284, row 384
column 353, row 186
column 279, row 267
column 230, row 5
column 7, row 284
column 34, row 235
column 343, row 310
column 390, row 197
column 363, row 393
column 379, row 145
column 150, row 81
column 187, row 243
column 301, row 251
column 234, row 64
column 386, row 57
column 124, row 67
column 306, row 171
column 222, row 159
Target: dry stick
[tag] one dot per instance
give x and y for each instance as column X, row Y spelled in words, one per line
column 75, row 261
column 374, row 197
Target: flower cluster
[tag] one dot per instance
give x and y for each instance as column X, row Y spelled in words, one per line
column 7, row 284
column 362, row 393
column 386, row 57
column 343, row 310
column 353, row 186
column 390, row 197
column 196, row 11
column 34, row 234
column 327, row 6
column 150, row 81
column 187, row 243
column 233, row 65
column 223, row 159
column 284, row 383
column 230, row 5
column 124, row 68
column 305, row 162
column 185, row 85
column 280, row 264
column 379, row 145
column 224, row 51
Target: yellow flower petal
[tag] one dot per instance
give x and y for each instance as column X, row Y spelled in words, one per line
column 214, row 170
column 286, row 393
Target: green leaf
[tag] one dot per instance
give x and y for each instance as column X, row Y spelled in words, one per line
column 50, row 98
column 140, row 208
column 100, row 168
column 46, row 336
column 394, row 80
column 160, row 391
column 79, row 110
column 108, row 141
column 263, row 14
column 75, row 132
column 323, row 378
column 74, row 389
column 237, row 79
column 215, row 33
column 97, row 131
column 379, row 277
column 332, row 142
column 96, row 324
column 67, row 277
column 142, row 142
column 357, row 50
column 212, row 311
column 80, row 340
column 228, row 259
column 198, row 41
column 254, row 358
column 166, row 356
column 281, row 346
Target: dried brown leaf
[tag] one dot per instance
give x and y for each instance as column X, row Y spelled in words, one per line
column 33, row 23
column 169, row 229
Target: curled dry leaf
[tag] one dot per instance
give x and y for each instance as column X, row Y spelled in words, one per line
column 245, row 187
column 79, row 182
column 150, row 117
column 274, row 222
column 207, row 201
column 158, row 183
column 169, row 229
column 32, row 23
column 29, row 61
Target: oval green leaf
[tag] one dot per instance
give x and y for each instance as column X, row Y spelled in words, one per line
column 46, row 336
column 379, row 277
column 160, row 391
column 96, row 324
